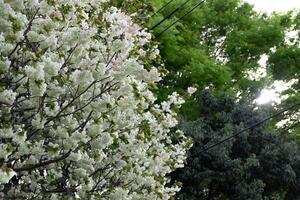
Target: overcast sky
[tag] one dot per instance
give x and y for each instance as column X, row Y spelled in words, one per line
column 275, row 5
column 269, row 95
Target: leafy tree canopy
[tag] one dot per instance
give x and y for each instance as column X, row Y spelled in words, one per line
column 284, row 65
column 230, row 31
column 216, row 45
column 258, row 164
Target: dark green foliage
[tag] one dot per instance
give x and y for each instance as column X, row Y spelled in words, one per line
column 256, row 165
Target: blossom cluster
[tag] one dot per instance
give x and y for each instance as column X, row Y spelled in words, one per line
column 78, row 119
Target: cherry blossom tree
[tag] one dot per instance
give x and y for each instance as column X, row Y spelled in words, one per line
column 78, row 117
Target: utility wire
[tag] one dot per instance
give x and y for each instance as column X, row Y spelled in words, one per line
column 190, row 11
column 170, row 14
column 248, row 128
column 162, row 8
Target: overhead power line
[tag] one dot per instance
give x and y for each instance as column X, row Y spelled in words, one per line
column 190, row 11
column 248, row 128
column 162, row 8
column 170, row 14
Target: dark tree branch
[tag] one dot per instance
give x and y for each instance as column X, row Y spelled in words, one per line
column 28, row 28
column 43, row 164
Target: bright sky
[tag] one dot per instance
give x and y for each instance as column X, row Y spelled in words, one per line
column 275, row 5
column 269, row 95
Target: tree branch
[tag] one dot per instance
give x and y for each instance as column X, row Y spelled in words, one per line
column 43, row 164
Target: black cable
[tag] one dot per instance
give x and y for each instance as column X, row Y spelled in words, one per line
column 248, row 128
column 162, row 8
column 168, row 27
column 170, row 14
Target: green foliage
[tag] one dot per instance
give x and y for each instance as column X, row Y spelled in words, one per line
column 285, row 63
column 216, row 45
column 256, row 165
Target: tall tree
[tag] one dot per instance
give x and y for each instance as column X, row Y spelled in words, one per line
column 216, row 45
column 77, row 117
column 257, row 164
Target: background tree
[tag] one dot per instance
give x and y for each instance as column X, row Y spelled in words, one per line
column 258, row 164
column 284, row 65
column 216, row 46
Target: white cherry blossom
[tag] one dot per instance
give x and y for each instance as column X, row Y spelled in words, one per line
column 78, row 118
